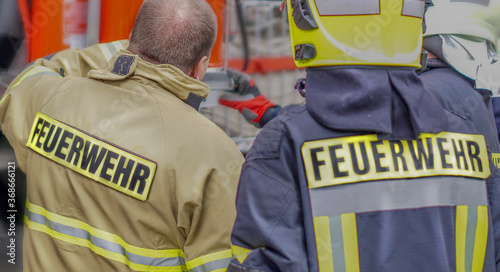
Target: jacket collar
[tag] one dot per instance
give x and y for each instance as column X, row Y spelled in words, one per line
column 125, row 64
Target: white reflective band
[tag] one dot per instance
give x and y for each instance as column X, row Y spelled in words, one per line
column 109, row 49
column 413, row 8
column 479, row 2
column 398, row 194
column 214, row 262
column 36, row 71
column 118, row 45
column 347, row 7
column 105, row 244
column 212, row 266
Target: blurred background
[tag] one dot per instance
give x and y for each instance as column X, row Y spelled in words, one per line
column 252, row 36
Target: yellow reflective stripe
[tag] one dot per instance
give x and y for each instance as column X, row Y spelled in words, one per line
column 323, row 243
column 166, row 253
column 481, row 238
column 105, row 51
column 460, row 234
column 200, row 261
column 241, row 253
column 86, row 243
column 350, row 235
column 35, row 71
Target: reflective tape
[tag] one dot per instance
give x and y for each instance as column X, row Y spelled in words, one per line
column 210, row 262
column 118, row 45
column 398, row 194
column 478, row 2
column 413, row 8
column 347, row 7
column 240, row 253
column 102, row 243
column 471, row 236
column 337, row 243
column 35, row 71
column 324, row 244
column 109, row 49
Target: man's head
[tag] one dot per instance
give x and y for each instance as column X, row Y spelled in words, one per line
column 177, row 32
column 357, row 32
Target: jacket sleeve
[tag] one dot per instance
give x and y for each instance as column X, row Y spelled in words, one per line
column 27, row 93
column 269, row 231
column 34, row 86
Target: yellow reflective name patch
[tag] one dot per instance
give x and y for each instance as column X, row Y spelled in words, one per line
column 363, row 158
column 110, row 165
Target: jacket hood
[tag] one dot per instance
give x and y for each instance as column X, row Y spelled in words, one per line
column 383, row 100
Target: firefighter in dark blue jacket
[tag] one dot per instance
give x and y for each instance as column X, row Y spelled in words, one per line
column 464, row 70
column 373, row 173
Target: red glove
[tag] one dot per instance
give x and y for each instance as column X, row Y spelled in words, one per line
column 247, row 99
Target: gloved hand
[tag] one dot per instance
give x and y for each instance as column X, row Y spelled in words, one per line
column 248, row 100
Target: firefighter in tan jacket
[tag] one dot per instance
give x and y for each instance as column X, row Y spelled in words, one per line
column 123, row 173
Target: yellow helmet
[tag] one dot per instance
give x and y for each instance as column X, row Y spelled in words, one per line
column 473, row 18
column 356, row 32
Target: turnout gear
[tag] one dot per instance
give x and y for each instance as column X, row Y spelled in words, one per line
column 390, row 187
column 373, row 173
column 356, row 33
column 457, row 94
column 123, row 173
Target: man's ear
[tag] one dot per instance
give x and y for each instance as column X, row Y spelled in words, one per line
column 199, row 70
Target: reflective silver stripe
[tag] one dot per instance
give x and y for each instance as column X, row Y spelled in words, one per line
column 337, row 240
column 218, row 264
column 347, row 7
column 112, row 48
column 105, row 51
column 118, row 45
column 413, row 8
column 479, row 2
column 397, row 194
column 470, row 237
column 46, row 73
column 103, row 244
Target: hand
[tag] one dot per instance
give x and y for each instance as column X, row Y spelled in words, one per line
column 248, row 100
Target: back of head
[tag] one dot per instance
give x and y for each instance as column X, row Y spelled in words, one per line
column 176, row 32
column 357, row 32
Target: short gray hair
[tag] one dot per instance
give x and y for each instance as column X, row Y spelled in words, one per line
column 176, row 32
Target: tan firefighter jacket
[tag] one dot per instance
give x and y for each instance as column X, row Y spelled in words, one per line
column 123, row 173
